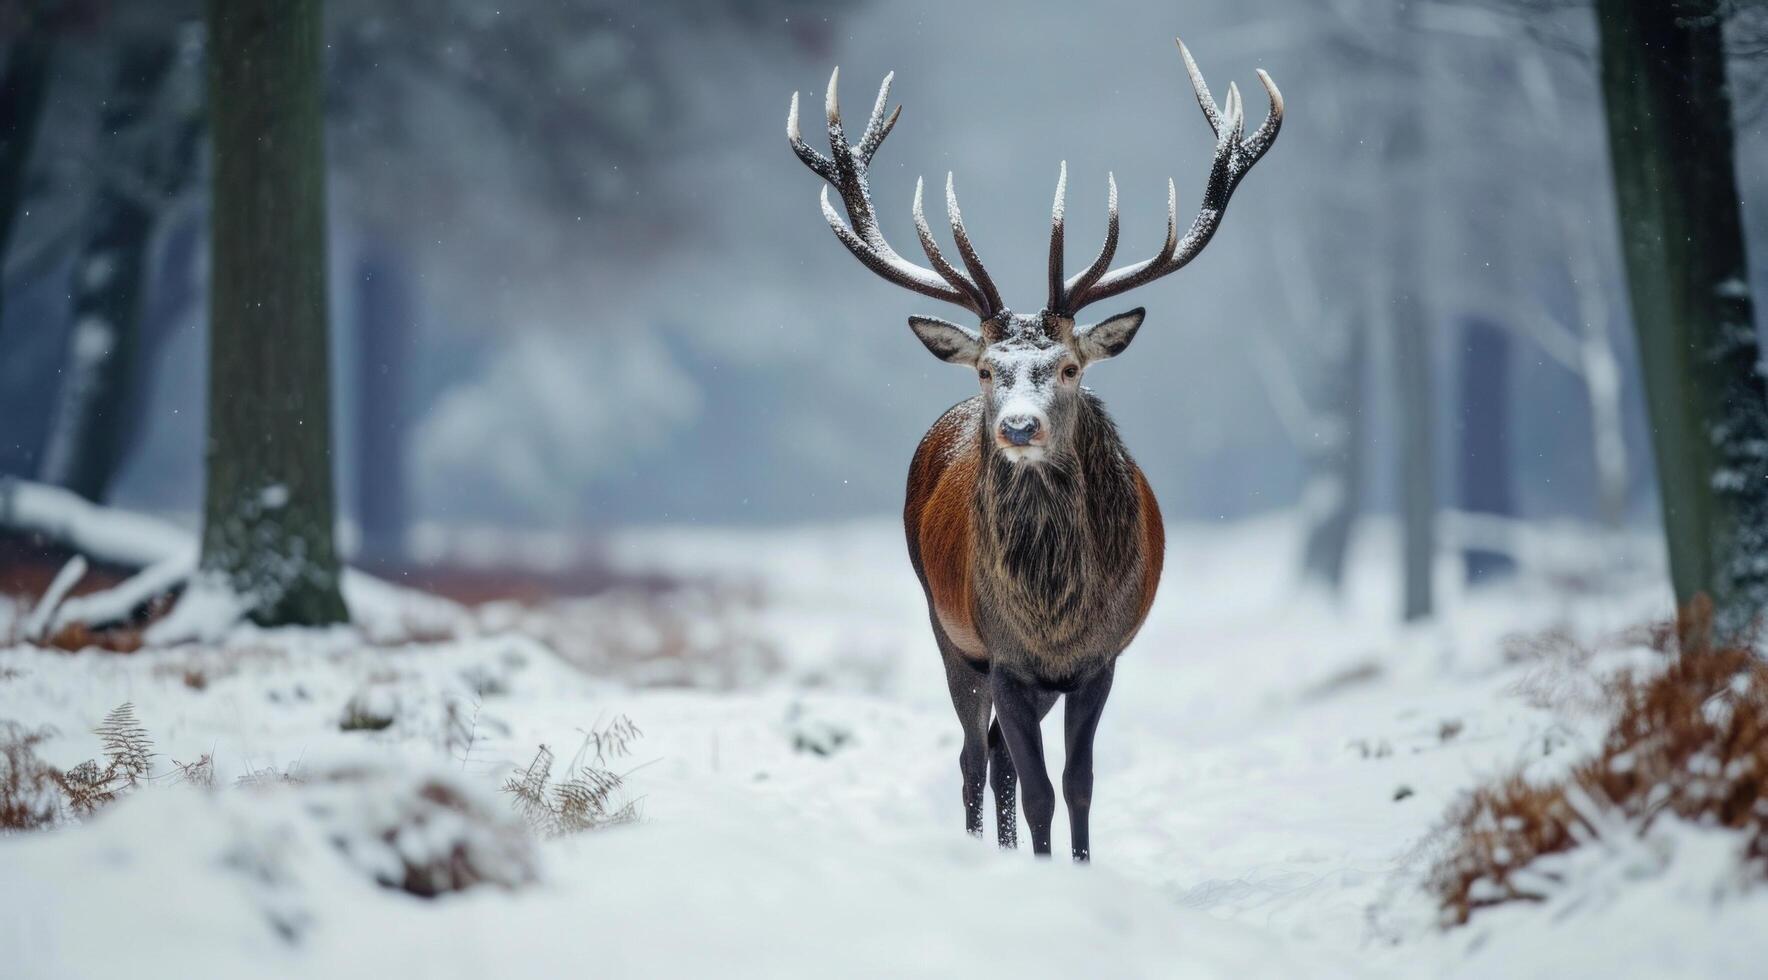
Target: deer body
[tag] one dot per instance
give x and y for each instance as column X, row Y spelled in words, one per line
column 1036, row 538
column 1048, row 575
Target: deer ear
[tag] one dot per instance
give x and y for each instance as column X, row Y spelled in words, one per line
column 947, row 341
column 1108, row 338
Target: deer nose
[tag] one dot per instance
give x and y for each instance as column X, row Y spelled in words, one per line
column 1019, row 429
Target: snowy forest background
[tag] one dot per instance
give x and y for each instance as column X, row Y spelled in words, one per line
column 590, row 262
column 625, row 659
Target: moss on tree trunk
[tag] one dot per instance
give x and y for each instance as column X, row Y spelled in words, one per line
column 268, row 513
column 1670, row 142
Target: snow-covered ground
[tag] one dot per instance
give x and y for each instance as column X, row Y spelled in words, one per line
column 1270, row 771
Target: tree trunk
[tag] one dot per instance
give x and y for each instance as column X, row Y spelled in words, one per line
column 1413, row 365
column 1670, row 142
column 23, row 88
column 1335, row 485
column 384, row 326
column 153, row 153
column 1485, row 438
column 269, row 508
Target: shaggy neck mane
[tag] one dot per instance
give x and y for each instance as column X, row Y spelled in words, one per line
column 1052, row 527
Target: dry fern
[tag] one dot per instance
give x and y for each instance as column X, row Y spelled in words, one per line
column 1689, row 740
column 588, row 798
column 28, row 791
column 128, row 752
column 88, row 787
column 126, row 744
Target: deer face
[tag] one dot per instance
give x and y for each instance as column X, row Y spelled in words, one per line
column 1029, row 368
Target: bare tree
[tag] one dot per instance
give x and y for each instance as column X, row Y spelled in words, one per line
column 1585, row 345
column 1316, row 380
column 1409, row 321
column 24, row 84
column 149, row 131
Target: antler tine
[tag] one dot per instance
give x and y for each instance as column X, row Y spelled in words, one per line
column 1204, row 99
column 1235, row 153
column 877, row 127
column 824, row 167
column 936, row 258
column 1235, row 114
column 1266, row 134
column 985, row 286
column 846, row 170
column 1084, row 279
column 891, row 267
column 1172, row 219
column 1058, row 210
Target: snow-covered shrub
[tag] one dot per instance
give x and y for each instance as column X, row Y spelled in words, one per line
column 811, row 732
column 371, row 709
column 1689, row 740
column 427, row 833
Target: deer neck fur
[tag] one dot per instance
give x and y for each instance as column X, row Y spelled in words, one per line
column 1059, row 546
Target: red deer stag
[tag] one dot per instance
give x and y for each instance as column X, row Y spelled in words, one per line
column 1036, row 538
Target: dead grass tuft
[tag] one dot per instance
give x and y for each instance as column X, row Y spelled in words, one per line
column 198, row 773
column 1689, row 740
column 294, row 774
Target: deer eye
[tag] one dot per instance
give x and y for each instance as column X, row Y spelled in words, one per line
column 984, row 374
column 1071, row 372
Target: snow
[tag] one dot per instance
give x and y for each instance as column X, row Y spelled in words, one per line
column 70, row 574
column 116, row 604
column 167, row 555
column 1271, row 770
column 97, row 532
column 206, row 611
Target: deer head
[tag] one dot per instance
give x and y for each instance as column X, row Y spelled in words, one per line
column 1029, row 365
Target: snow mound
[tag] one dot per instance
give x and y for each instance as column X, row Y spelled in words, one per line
column 424, row 832
column 285, row 860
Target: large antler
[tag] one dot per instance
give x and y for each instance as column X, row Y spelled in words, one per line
column 1235, row 153
column 846, row 170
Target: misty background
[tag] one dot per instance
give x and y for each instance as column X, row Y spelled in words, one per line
column 579, row 279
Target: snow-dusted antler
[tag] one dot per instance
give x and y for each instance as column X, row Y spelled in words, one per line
column 847, row 171
column 1235, row 154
